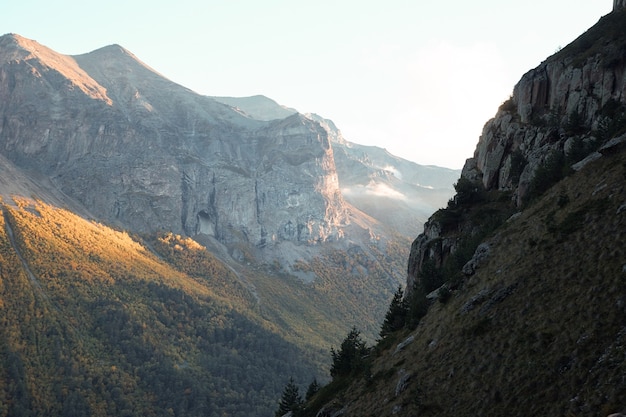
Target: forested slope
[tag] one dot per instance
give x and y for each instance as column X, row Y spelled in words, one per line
column 94, row 323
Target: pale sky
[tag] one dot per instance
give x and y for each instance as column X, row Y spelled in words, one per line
column 417, row 77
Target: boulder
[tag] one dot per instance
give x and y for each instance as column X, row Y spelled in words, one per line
column 480, row 256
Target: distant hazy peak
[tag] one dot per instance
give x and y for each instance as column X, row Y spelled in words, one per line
column 258, row 107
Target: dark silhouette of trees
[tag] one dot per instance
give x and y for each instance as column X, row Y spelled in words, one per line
column 396, row 314
column 351, row 356
column 290, row 400
column 312, row 390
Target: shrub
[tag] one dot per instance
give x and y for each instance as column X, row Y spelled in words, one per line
column 549, row 173
column 444, row 294
column 518, row 163
column 612, row 121
column 468, row 192
column 509, row 106
column 575, row 123
column 579, row 150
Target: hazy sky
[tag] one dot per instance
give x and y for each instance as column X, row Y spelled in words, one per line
column 417, row 77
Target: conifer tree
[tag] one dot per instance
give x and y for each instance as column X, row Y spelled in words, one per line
column 290, row 400
column 312, row 390
column 351, row 357
column 396, row 315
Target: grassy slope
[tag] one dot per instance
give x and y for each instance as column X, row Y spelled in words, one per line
column 539, row 330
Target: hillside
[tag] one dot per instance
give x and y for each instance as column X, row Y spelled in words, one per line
column 516, row 291
column 166, row 253
column 119, row 143
column 93, row 323
column 96, row 321
column 539, row 329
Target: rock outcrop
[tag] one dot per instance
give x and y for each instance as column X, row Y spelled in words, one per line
column 550, row 106
column 571, row 104
column 392, row 190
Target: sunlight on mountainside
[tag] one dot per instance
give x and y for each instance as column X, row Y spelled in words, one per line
column 103, row 327
column 84, row 250
column 66, row 65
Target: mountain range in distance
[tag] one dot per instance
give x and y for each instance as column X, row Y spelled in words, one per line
column 157, row 242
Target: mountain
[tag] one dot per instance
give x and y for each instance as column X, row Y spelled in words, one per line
column 392, row 190
column 166, row 252
column 94, row 323
column 144, row 153
column 515, row 302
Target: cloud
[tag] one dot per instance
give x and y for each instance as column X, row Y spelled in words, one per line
column 373, row 189
column 396, row 173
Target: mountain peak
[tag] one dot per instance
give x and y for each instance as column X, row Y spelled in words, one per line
column 16, row 48
column 17, row 39
column 118, row 59
column 113, row 50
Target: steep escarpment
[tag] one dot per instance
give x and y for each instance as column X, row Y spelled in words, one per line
column 575, row 95
column 539, row 327
column 392, row 190
column 515, row 299
column 569, row 108
column 145, row 153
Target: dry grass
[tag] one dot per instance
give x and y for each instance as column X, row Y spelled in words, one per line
column 539, row 330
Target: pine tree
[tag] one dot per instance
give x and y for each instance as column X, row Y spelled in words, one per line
column 312, row 390
column 351, row 357
column 396, row 315
column 290, row 400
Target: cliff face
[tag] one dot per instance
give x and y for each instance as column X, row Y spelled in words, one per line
column 516, row 291
column 578, row 89
column 392, row 190
column 147, row 154
column 569, row 106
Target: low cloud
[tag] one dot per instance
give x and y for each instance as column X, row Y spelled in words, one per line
column 396, row 173
column 373, row 189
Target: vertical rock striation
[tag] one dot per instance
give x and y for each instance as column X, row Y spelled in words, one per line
column 147, row 154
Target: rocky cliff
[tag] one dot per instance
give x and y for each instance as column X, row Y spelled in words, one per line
column 565, row 109
column 392, row 190
column 579, row 89
column 516, row 291
column 145, row 153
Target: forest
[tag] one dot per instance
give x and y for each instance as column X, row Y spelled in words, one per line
column 96, row 322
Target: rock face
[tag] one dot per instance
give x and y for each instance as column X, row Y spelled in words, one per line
column 145, row 153
column 578, row 89
column 392, row 190
column 575, row 99
column 618, row 4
